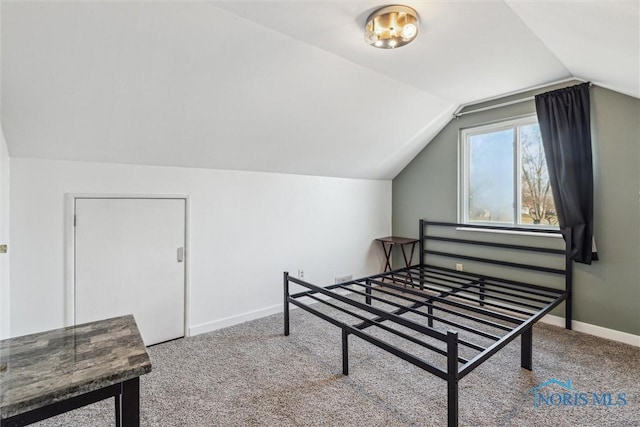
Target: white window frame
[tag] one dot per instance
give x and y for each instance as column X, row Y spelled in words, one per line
column 463, row 169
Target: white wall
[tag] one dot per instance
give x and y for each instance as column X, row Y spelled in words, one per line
column 4, row 238
column 246, row 229
column 4, row 222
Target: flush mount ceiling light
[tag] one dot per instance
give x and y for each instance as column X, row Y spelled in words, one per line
column 391, row 27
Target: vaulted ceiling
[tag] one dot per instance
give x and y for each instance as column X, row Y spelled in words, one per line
column 283, row 86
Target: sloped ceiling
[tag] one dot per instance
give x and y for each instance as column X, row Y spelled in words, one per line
column 282, row 86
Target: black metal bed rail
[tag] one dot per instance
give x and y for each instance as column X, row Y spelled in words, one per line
column 513, row 285
column 373, row 322
column 526, row 333
column 497, row 245
column 496, row 262
column 454, row 372
column 374, row 310
column 412, row 309
column 566, row 272
column 498, row 281
column 482, row 296
column 456, row 308
column 424, row 303
column 451, row 374
column 478, row 293
column 350, row 329
column 484, row 287
column 510, row 307
column 350, row 282
column 457, row 304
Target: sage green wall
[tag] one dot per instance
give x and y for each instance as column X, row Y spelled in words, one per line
column 606, row 293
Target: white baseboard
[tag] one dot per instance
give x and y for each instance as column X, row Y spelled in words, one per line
column 234, row 320
column 594, row 330
column 245, row 317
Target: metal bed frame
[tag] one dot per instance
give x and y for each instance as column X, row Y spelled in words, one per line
column 496, row 310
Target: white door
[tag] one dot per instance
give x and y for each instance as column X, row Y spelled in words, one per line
column 129, row 259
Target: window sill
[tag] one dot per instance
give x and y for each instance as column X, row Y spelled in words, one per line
column 541, row 233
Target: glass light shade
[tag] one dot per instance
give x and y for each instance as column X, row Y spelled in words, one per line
column 409, row 31
column 391, row 27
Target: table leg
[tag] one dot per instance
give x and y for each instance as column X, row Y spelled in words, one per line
column 118, row 400
column 407, row 261
column 130, row 405
column 387, row 255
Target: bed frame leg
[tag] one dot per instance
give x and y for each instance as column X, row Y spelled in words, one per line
column 286, row 303
column 345, row 352
column 367, row 289
column 481, row 283
column 452, row 379
column 526, row 355
column 568, row 304
column 430, row 313
column 421, row 258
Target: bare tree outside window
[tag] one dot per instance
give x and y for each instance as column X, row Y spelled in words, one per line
column 537, row 198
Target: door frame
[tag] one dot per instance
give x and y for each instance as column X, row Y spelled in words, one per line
column 70, row 249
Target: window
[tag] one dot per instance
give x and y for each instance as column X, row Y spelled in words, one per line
column 504, row 178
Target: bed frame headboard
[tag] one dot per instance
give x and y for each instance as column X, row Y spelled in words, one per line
column 567, row 271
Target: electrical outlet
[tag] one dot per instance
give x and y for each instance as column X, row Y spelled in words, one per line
column 459, row 267
column 300, row 274
column 343, row 279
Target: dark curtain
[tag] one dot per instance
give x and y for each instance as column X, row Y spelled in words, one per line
column 565, row 127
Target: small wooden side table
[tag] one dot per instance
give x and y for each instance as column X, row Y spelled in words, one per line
column 387, row 246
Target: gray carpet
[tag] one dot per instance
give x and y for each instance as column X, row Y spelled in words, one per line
column 251, row 375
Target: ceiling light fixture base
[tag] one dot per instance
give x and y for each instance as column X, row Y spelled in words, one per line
column 391, row 27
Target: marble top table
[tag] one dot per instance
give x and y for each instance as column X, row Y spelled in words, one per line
column 48, row 373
